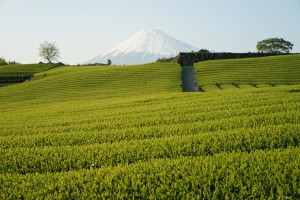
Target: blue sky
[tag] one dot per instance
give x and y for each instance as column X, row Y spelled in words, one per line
column 82, row 29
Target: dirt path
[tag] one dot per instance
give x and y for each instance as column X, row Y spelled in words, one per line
column 189, row 80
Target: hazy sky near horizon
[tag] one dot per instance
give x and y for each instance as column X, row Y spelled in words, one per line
column 84, row 29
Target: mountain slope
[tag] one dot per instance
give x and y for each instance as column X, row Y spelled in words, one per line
column 146, row 46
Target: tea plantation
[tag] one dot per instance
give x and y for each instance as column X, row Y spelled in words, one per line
column 128, row 132
column 18, row 73
column 248, row 72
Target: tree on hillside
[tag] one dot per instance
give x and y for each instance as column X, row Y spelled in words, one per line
column 49, row 51
column 108, row 62
column 203, row 51
column 274, row 45
column 12, row 62
column 2, row 61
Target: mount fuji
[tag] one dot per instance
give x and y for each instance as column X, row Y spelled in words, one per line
column 144, row 47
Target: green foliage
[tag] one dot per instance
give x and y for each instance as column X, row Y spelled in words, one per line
column 188, row 59
column 171, row 59
column 130, row 133
column 24, row 69
column 256, row 175
column 164, row 60
column 274, row 70
column 15, row 73
column 274, row 45
column 203, row 51
column 12, row 63
column 99, row 82
column 2, row 61
column 108, row 62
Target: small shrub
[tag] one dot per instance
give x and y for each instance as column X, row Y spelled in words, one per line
column 2, row 61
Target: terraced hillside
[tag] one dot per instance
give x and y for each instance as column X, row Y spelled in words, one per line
column 248, row 72
column 97, row 82
column 19, row 73
column 130, row 133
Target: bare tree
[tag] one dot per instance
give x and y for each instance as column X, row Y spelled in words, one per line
column 49, row 51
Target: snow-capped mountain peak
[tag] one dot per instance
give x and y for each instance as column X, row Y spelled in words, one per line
column 145, row 46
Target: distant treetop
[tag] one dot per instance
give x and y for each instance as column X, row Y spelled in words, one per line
column 274, row 45
column 203, row 51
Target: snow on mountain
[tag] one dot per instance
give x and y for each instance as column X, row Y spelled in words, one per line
column 144, row 47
